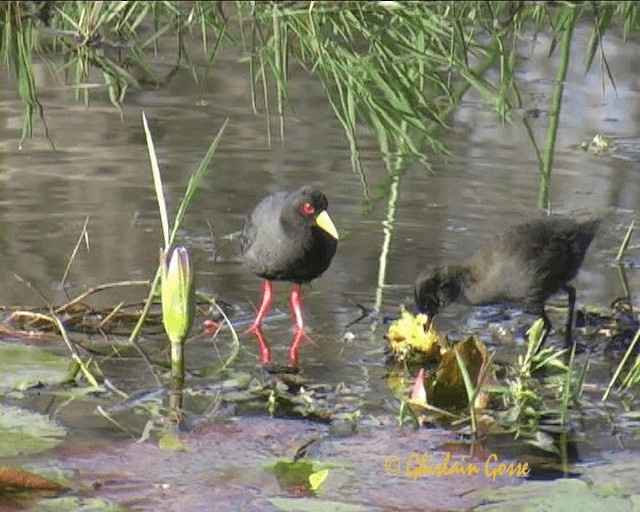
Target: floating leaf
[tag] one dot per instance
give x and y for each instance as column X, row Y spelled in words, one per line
column 23, row 432
column 316, row 479
column 22, row 366
column 16, row 479
column 77, row 504
column 171, row 442
column 299, row 475
column 315, row 505
column 565, row 494
column 446, row 388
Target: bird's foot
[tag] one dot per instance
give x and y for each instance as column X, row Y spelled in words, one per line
column 254, row 329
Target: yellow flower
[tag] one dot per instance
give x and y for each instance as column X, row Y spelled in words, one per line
column 408, row 341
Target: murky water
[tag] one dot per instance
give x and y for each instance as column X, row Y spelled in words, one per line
column 489, row 181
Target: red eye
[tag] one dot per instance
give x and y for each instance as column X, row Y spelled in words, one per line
column 307, row 209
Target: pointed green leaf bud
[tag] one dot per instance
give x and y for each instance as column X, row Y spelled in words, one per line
column 178, row 293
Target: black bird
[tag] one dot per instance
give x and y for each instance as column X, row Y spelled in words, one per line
column 524, row 265
column 289, row 236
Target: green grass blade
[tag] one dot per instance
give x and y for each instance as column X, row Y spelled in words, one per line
column 157, row 183
column 196, row 178
column 571, row 19
column 471, row 389
column 625, row 242
column 620, row 366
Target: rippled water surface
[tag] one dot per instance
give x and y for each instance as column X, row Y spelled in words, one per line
column 488, row 182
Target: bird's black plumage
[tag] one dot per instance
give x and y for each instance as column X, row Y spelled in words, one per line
column 524, row 265
column 289, row 236
column 282, row 241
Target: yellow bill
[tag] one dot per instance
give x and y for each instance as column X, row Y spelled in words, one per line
column 324, row 222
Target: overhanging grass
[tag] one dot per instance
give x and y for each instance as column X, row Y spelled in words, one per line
column 390, row 67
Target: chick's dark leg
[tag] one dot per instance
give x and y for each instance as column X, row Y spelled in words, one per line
column 546, row 328
column 429, row 323
column 571, row 296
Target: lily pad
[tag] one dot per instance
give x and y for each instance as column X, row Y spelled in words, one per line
column 22, row 366
column 77, row 504
column 299, row 474
column 293, row 474
column 24, row 432
column 315, row 505
column 559, row 495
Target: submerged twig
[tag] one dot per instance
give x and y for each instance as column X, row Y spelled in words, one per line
column 145, row 310
column 99, row 288
column 74, row 353
column 234, row 335
column 83, row 235
column 110, row 418
column 54, row 319
column 110, row 316
column 109, row 385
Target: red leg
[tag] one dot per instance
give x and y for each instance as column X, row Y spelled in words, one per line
column 298, row 335
column 296, row 307
column 265, row 306
column 264, row 351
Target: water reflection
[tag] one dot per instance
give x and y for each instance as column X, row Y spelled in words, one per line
column 487, row 183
